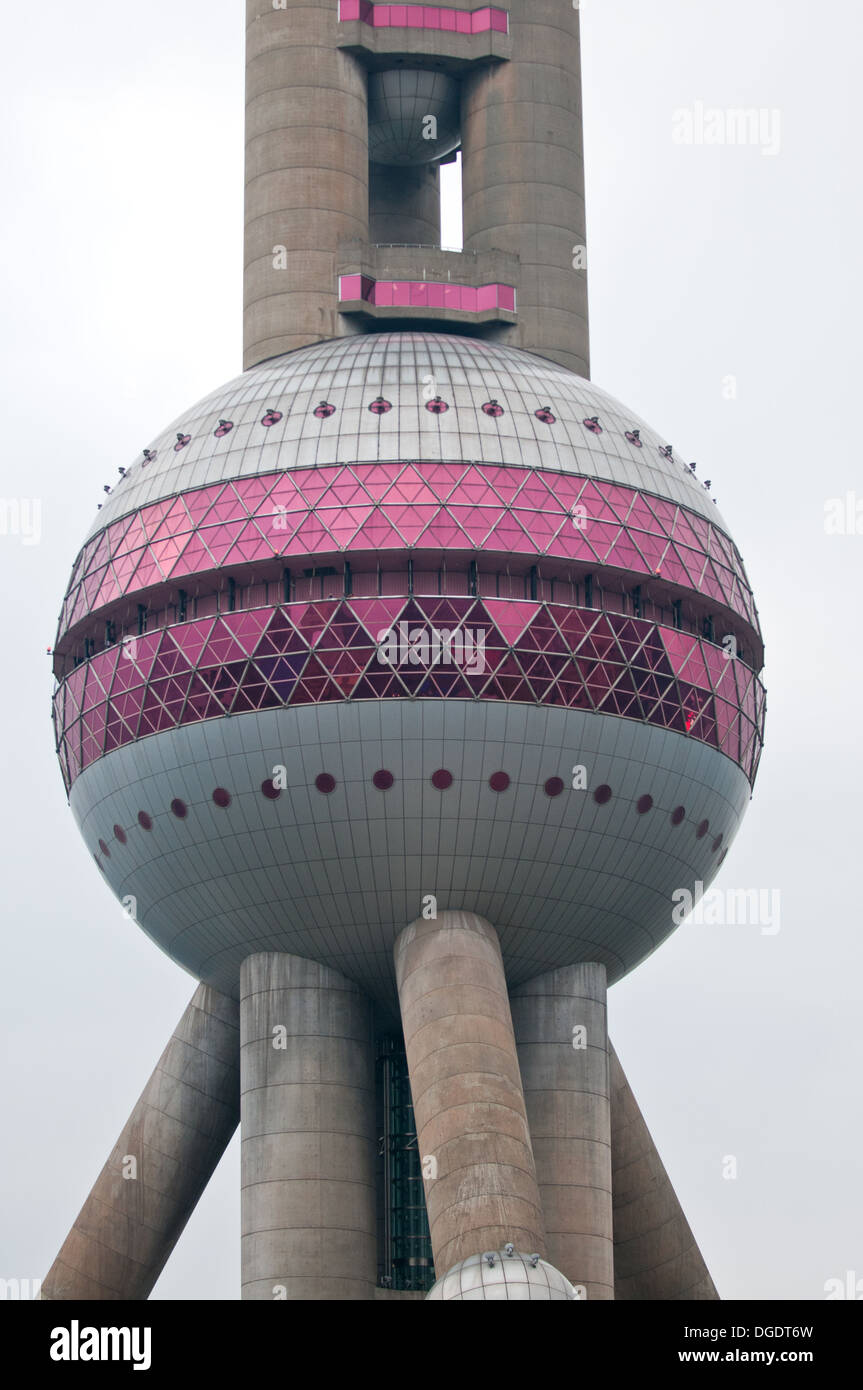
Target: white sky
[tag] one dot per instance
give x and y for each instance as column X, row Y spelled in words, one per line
column 121, row 268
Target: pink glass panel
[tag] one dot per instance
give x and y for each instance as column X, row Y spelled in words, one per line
column 347, row 665
column 284, row 520
column 350, row 287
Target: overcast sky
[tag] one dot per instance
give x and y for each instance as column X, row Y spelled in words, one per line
column 121, row 265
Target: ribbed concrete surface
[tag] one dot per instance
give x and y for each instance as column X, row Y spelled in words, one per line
column 307, row 173
column 655, row 1254
column 308, row 1133
column 178, row 1131
column 466, row 1087
column 523, row 176
column 566, row 1090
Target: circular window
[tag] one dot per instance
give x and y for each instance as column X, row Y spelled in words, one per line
column 441, row 779
column 325, row 782
column 222, row 797
column 499, row 781
column 602, row 795
column 554, row 786
column 120, row 834
column 678, row 815
column 144, row 821
column 105, row 850
column 383, row 780
column 179, row 808
column 644, row 804
column 716, row 843
column 270, row 790
column 702, row 830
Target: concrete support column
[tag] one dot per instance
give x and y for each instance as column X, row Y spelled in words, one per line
column 561, row 1030
column 655, row 1253
column 468, row 1103
column 307, row 174
column 161, row 1162
column 308, row 1133
column 404, row 204
column 523, row 176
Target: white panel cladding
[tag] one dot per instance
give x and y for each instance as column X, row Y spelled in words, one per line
column 406, row 368
column 336, row 877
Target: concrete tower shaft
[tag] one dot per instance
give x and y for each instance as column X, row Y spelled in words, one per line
column 307, row 174
column 336, row 245
column 523, row 172
column 563, row 1052
column 308, row 1137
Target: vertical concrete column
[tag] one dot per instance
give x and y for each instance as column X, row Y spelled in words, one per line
column 404, row 204
column 307, row 174
column 561, row 1030
column 523, row 176
column 655, row 1253
column 161, row 1162
column 308, row 1133
column 481, row 1189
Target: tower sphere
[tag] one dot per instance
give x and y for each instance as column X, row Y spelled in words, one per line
column 401, row 622
column 499, row 1276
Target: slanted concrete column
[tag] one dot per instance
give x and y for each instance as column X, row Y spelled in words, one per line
column 308, row 1133
column 161, row 1162
column 655, row 1253
column 562, row 1034
column 481, row 1189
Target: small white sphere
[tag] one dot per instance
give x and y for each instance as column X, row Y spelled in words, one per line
column 497, row 1274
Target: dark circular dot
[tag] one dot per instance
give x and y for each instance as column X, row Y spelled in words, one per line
column 678, row 815
column 441, row 779
column 554, row 786
column 105, row 850
column 702, row 830
column 383, row 780
column 722, row 856
column 120, row 834
column 179, row 808
column 602, row 795
column 499, row 781
column 437, row 406
column 144, row 821
column 325, row 782
column 643, row 804
column 222, row 797
column 716, row 843
column 270, row 790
